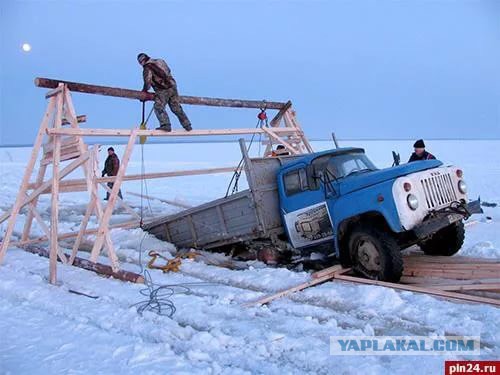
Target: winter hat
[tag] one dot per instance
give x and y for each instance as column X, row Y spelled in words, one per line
column 419, row 144
column 142, row 56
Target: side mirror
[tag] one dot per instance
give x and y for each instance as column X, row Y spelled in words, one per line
column 396, row 159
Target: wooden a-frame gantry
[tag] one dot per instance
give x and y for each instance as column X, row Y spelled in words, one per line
column 59, row 143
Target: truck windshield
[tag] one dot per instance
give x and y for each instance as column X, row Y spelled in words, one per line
column 344, row 165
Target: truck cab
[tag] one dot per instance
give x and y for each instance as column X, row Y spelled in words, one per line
column 338, row 200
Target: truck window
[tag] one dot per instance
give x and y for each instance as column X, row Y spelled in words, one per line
column 296, row 181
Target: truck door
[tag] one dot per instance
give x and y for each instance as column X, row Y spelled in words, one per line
column 304, row 210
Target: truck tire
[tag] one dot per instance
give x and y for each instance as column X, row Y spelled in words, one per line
column 446, row 242
column 375, row 254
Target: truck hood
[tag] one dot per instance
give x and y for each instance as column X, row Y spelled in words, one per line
column 364, row 180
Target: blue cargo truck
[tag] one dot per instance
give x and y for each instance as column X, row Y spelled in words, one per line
column 335, row 202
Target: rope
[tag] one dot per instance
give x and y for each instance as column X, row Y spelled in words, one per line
column 158, row 296
column 262, row 121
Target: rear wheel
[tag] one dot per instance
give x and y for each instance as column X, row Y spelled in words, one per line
column 447, row 242
column 375, row 254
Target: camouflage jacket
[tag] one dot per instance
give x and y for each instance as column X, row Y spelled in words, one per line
column 156, row 73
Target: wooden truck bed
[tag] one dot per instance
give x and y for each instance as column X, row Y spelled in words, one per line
column 247, row 215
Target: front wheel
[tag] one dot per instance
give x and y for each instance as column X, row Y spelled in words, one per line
column 375, row 254
column 445, row 242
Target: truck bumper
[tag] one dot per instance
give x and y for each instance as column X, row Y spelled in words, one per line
column 444, row 217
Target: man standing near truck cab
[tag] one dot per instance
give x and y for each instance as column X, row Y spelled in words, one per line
column 420, row 153
column 156, row 74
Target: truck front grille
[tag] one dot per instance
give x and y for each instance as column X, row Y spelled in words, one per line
column 438, row 190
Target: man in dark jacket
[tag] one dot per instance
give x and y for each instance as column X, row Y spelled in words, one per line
column 156, row 74
column 420, row 153
column 111, row 166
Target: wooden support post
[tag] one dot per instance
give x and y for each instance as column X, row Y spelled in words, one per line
column 29, row 219
column 104, row 224
column 275, row 122
column 83, row 227
column 54, row 217
column 291, row 119
column 27, row 175
column 287, row 145
column 46, row 230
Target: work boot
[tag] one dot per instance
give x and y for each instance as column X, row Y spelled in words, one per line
column 164, row 128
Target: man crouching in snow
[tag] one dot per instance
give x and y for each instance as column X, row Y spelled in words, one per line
column 420, row 153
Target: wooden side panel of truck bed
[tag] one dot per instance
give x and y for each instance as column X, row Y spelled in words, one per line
column 247, row 215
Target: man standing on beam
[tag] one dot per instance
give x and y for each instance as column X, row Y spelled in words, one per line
column 156, row 74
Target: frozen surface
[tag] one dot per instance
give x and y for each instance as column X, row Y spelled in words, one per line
column 45, row 329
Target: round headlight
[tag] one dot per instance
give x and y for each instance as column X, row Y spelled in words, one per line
column 412, row 201
column 462, row 187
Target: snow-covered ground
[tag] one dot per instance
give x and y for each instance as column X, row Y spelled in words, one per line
column 46, row 329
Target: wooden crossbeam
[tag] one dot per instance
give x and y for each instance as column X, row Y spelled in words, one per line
column 81, row 184
column 47, row 184
column 64, row 236
column 168, row 201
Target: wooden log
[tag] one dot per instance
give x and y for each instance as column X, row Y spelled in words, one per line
column 99, row 268
column 419, row 289
column 140, row 95
column 160, row 133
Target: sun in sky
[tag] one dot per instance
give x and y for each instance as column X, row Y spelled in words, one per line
column 26, row 47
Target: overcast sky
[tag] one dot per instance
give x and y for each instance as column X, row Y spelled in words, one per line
column 364, row 69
